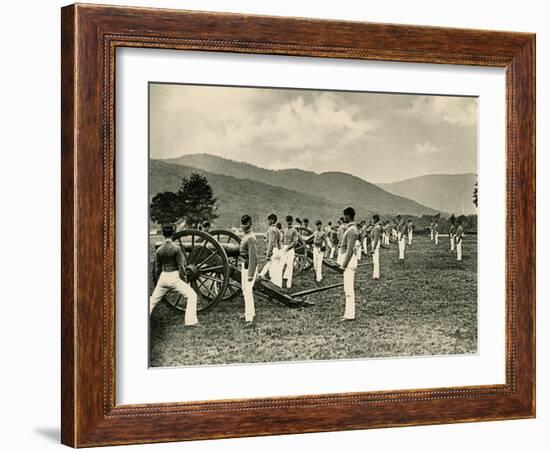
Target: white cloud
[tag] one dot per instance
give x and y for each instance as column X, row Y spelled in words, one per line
column 460, row 111
column 425, row 148
column 237, row 123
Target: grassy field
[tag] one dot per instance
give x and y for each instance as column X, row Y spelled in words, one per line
column 424, row 306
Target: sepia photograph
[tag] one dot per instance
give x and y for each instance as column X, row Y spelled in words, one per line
column 293, row 225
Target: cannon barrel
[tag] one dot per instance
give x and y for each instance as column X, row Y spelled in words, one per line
column 231, row 249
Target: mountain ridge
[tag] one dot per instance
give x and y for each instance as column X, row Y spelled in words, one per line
column 446, row 192
column 335, row 186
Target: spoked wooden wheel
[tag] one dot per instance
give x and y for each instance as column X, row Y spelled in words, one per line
column 231, row 242
column 301, row 260
column 207, row 269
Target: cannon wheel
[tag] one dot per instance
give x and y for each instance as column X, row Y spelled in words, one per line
column 207, row 269
column 223, row 236
column 301, row 260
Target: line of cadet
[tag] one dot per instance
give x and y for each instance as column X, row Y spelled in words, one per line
column 347, row 241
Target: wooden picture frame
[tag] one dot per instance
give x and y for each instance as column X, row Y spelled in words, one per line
column 90, row 36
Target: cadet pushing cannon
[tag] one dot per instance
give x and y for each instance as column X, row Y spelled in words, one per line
column 212, row 268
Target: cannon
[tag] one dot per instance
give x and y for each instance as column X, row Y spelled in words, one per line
column 213, row 271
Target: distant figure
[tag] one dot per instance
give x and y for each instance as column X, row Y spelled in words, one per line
column 452, row 231
column 401, row 230
column 387, row 230
column 280, row 229
column 290, row 239
column 436, row 232
column 306, row 226
column 320, row 241
column 273, row 253
column 334, row 242
column 248, row 250
column 459, row 237
column 349, row 261
column 410, row 228
column 169, row 270
column 341, row 230
column 206, row 226
column 368, row 230
column 431, row 230
column 376, row 236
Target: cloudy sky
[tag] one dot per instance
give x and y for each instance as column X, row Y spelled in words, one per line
column 379, row 137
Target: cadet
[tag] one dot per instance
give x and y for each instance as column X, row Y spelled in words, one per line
column 290, row 239
column 459, row 236
column 306, row 226
column 334, row 242
column 328, row 231
column 436, row 232
column 170, row 271
column 320, row 240
column 452, row 233
column 341, row 230
column 410, row 228
column 349, row 262
column 248, row 250
column 272, row 252
column 387, row 230
column 401, row 229
column 431, row 230
column 376, row 235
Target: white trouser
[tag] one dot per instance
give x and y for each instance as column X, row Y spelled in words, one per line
column 340, row 258
column 402, row 247
column 410, row 237
column 332, row 251
column 436, row 236
column 358, row 249
column 273, row 268
column 349, row 288
column 248, row 294
column 171, row 281
column 318, row 263
column 452, row 239
column 431, row 234
column 376, row 262
column 288, row 260
column 459, row 250
column 365, row 246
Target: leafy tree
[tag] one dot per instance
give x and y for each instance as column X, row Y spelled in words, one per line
column 193, row 202
column 197, row 200
column 165, row 208
column 474, row 195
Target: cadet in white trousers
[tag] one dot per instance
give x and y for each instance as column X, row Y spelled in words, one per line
column 459, row 237
column 349, row 262
column 248, row 250
column 341, row 230
column 169, row 271
column 290, row 239
column 431, row 230
column 320, row 241
column 401, row 230
column 410, row 228
column 436, row 232
column 376, row 234
column 272, row 253
column 452, row 235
